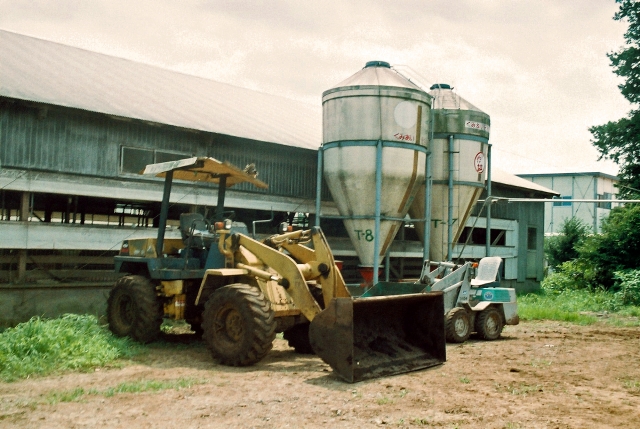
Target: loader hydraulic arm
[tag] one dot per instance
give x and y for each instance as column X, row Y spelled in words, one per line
column 332, row 283
column 315, row 264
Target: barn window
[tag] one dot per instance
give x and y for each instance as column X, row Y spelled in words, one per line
column 532, row 238
column 134, row 159
column 605, row 196
column 478, row 236
column 162, row 156
column 562, row 203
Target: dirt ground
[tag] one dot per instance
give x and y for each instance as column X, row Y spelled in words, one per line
column 539, row 375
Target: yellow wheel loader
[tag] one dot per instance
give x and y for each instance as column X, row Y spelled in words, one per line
column 239, row 292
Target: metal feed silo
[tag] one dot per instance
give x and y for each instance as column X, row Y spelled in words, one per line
column 375, row 134
column 459, row 164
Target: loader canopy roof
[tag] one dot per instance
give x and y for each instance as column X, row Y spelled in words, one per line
column 201, row 169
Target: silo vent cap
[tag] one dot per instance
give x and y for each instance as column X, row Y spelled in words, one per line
column 440, row 86
column 377, row 64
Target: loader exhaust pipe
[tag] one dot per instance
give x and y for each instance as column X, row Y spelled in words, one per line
column 366, row 338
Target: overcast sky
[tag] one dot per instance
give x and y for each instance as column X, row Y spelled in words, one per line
column 537, row 67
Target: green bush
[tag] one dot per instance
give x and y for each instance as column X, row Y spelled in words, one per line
column 558, row 282
column 616, row 248
column 71, row 342
column 628, row 286
column 564, row 247
column 571, row 275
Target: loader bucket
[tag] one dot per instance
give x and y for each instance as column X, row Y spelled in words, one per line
column 366, row 338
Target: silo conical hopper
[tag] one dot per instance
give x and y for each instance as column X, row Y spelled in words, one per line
column 459, row 154
column 373, row 159
column 374, row 123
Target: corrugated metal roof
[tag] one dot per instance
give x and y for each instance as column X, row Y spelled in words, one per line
column 571, row 174
column 376, row 76
column 48, row 72
column 445, row 98
column 504, row 178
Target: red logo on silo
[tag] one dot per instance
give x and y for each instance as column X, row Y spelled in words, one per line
column 479, row 162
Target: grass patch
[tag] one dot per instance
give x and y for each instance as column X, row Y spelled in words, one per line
column 152, row 385
column 66, row 396
column 139, row 386
column 540, row 363
column 576, row 306
column 384, row 400
column 631, row 384
column 70, row 342
column 523, row 389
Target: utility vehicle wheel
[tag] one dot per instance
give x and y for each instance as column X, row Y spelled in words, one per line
column 298, row 338
column 457, row 325
column 489, row 324
column 239, row 325
column 134, row 309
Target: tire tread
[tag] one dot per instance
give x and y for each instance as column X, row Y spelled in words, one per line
column 262, row 324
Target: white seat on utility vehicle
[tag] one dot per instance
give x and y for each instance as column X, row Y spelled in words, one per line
column 487, row 271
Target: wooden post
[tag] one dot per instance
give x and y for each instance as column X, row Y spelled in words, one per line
column 67, row 218
column 22, row 253
column 22, row 266
column 24, row 206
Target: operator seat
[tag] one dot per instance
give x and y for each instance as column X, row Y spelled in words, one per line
column 488, row 273
column 195, row 231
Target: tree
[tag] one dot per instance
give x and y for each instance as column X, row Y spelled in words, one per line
column 617, row 248
column 619, row 141
column 563, row 247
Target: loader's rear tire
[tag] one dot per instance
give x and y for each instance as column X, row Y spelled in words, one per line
column 134, row 309
column 298, row 338
column 239, row 325
column 457, row 325
column 489, row 324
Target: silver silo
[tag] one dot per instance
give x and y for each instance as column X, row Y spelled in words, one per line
column 459, row 167
column 375, row 134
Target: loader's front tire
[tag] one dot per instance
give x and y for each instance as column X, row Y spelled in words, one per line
column 298, row 338
column 134, row 309
column 489, row 324
column 457, row 325
column 239, row 325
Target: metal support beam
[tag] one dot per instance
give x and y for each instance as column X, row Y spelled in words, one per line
column 164, row 212
column 378, row 209
column 428, row 189
column 488, row 230
column 319, row 185
column 222, row 188
column 450, row 207
column 427, row 208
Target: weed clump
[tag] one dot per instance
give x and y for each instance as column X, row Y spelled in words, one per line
column 70, row 342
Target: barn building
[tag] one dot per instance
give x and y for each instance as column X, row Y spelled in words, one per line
column 577, row 186
column 77, row 126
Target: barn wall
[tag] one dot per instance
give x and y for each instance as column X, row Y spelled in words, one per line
column 72, row 141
